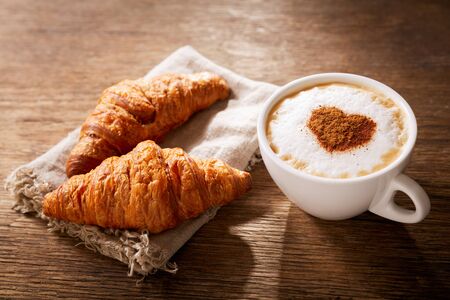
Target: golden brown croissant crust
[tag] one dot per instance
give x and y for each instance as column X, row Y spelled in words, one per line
column 136, row 110
column 148, row 188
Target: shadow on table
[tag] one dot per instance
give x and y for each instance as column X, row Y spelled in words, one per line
column 366, row 256
column 215, row 262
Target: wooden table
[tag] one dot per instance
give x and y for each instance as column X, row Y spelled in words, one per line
column 57, row 56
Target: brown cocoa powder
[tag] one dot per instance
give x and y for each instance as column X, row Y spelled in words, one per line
column 338, row 131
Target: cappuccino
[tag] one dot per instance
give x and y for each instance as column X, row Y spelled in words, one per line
column 337, row 130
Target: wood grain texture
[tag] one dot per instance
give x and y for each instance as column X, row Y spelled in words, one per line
column 57, row 56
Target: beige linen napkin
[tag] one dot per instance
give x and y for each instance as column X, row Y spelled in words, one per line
column 227, row 130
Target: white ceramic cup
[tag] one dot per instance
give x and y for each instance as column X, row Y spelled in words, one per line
column 338, row 199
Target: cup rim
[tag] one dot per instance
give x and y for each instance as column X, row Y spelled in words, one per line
column 321, row 78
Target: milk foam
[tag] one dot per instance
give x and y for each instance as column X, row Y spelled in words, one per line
column 293, row 141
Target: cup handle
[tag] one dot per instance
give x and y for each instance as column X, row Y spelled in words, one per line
column 387, row 208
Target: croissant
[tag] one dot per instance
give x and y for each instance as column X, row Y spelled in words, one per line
column 136, row 110
column 148, row 188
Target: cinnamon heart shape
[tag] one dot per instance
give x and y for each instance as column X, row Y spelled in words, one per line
column 338, row 131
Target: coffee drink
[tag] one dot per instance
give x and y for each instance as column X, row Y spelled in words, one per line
column 337, row 130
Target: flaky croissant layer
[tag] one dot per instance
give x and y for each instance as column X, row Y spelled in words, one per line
column 136, row 110
column 148, row 188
